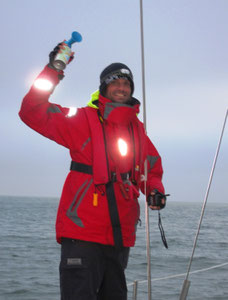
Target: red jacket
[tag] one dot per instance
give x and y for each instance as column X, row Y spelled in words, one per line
column 92, row 136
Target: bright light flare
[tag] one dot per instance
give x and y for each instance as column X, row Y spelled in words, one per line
column 72, row 111
column 43, row 84
column 122, row 145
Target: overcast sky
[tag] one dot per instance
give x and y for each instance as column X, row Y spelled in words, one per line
column 186, row 61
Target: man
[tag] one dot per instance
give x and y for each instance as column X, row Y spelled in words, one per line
column 98, row 210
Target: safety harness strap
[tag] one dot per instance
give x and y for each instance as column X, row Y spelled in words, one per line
column 114, row 215
column 83, row 168
column 79, row 167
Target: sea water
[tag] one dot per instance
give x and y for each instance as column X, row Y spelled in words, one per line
column 29, row 254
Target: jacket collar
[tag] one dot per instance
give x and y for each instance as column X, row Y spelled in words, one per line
column 117, row 112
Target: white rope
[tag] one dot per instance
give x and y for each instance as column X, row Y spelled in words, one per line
column 181, row 275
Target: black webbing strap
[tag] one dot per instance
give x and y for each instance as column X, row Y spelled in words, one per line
column 114, row 215
column 79, row 167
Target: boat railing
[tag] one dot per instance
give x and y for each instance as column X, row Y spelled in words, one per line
column 135, row 283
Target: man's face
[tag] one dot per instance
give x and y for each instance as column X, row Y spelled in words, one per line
column 118, row 90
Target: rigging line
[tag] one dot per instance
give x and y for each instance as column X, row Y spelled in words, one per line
column 207, row 193
column 186, row 284
column 145, row 164
column 182, row 274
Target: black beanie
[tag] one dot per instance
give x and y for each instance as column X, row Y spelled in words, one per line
column 113, row 72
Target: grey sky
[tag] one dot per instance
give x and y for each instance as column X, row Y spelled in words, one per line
column 186, row 55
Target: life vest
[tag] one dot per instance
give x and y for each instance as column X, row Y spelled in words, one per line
column 100, row 170
column 113, row 112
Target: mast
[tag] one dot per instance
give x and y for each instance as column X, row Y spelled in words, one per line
column 145, row 165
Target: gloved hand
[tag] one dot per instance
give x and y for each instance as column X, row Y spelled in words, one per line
column 156, row 200
column 53, row 54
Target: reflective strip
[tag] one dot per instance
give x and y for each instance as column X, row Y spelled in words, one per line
column 86, row 142
column 53, row 109
column 72, row 214
column 72, row 112
column 110, row 106
column 152, row 160
column 43, row 84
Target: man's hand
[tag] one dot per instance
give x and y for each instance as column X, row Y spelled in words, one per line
column 156, row 200
column 55, row 51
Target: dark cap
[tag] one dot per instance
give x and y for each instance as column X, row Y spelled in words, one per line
column 113, row 72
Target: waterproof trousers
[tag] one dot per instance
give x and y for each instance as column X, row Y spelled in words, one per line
column 91, row 271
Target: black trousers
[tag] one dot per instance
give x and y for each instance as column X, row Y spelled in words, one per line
column 91, row 271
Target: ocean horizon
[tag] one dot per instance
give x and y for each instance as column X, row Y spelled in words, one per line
column 30, row 256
